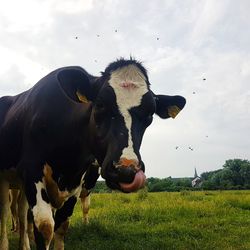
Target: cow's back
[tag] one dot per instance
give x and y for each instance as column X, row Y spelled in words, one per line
column 45, row 116
column 9, row 139
column 5, row 103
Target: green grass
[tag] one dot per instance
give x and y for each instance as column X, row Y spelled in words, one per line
column 185, row 220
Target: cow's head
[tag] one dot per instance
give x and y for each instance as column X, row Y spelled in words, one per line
column 123, row 108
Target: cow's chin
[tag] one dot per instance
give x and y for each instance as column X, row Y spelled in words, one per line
column 131, row 182
column 136, row 184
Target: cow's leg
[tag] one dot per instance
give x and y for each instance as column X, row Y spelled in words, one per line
column 85, row 201
column 4, row 209
column 90, row 179
column 22, row 215
column 43, row 218
column 14, row 194
column 30, row 225
column 42, row 213
column 62, row 222
column 31, row 171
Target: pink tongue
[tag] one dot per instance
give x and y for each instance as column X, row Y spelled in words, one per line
column 138, row 182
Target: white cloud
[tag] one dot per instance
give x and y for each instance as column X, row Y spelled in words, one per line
column 71, row 7
column 26, row 15
column 245, row 68
column 11, row 80
column 209, row 13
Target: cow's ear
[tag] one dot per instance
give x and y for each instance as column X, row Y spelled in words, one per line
column 169, row 106
column 76, row 84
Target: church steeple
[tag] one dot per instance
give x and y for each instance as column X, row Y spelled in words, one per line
column 195, row 173
column 196, row 182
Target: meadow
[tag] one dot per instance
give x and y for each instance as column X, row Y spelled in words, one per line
column 146, row 221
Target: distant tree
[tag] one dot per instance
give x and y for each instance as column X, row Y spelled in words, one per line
column 245, row 173
column 235, row 174
column 184, row 182
column 152, row 180
column 208, row 175
column 159, row 185
column 208, row 185
column 168, row 184
column 235, row 166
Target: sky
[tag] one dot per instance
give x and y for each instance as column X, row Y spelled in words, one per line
column 195, row 48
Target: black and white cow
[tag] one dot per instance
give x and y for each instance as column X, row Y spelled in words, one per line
column 54, row 131
column 21, row 217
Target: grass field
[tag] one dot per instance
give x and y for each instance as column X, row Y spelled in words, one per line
column 185, row 220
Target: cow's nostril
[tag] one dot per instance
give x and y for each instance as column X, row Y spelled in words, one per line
column 133, row 168
column 126, row 174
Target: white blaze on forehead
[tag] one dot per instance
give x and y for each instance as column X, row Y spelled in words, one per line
column 129, row 85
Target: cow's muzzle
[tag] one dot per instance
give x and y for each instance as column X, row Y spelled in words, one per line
column 130, row 174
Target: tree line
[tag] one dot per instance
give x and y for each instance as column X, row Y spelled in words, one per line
column 235, row 174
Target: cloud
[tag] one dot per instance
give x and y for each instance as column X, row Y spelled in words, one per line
column 71, row 7
column 209, row 14
column 11, row 80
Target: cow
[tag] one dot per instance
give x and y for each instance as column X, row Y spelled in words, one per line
column 19, row 209
column 53, row 132
column 19, row 216
column 19, row 213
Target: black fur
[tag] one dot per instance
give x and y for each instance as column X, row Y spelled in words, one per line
column 65, row 212
column 122, row 63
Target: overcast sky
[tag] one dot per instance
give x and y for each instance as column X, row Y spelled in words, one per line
column 196, row 48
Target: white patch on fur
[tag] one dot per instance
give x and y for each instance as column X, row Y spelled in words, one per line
column 42, row 210
column 129, row 85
